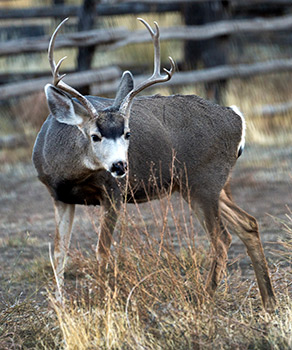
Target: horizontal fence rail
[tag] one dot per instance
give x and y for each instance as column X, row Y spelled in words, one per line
column 212, row 30
column 108, row 78
column 119, row 37
column 75, row 79
column 104, row 81
column 59, row 11
column 275, row 109
column 124, row 7
column 79, row 39
column 209, row 75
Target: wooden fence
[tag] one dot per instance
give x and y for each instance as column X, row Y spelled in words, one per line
column 108, row 77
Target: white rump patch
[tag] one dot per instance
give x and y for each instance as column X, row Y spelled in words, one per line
column 242, row 141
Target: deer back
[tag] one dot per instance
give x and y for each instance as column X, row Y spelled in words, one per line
column 202, row 136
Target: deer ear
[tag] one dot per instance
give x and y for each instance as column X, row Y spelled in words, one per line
column 126, row 85
column 62, row 106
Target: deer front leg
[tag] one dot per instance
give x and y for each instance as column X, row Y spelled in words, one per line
column 64, row 215
column 220, row 244
column 208, row 215
column 106, row 230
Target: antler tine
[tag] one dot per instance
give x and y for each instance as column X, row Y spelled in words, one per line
column 156, row 76
column 51, row 49
column 171, row 70
column 155, row 38
column 147, row 25
column 57, row 78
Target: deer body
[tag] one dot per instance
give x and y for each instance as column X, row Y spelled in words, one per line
column 211, row 136
column 84, row 156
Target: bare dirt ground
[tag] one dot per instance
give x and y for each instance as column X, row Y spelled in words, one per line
column 261, row 184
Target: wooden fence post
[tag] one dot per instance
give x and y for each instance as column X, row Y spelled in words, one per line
column 212, row 52
column 58, row 3
column 85, row 55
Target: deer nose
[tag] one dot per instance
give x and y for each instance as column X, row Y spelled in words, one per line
column 119, row 168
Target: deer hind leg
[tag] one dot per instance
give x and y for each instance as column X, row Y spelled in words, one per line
column 106, row 230
column 64, row 215
column 246, row 227
column 220, row 238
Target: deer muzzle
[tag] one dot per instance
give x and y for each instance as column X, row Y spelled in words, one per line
column 119, row 169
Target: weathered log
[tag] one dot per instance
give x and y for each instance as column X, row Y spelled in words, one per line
column 208, row 75
column 13, row 141
column 108, row 78
column 118, row 37
column 212, row 30
column 74, row 79
column 79, row 39
column 272, row 110
column 252, row 3
column 102, row 9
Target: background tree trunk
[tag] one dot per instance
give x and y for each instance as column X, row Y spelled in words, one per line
column 210, row 52
column 85, row 55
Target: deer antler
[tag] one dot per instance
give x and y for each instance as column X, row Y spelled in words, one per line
column 156, row 76
column 57, row 78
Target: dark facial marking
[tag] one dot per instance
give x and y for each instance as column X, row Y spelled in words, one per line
column 110, row 124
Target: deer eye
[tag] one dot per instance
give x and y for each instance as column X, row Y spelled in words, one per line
column 95, row 138
column 127, row 135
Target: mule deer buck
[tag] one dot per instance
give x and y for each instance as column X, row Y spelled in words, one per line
column 84, row 150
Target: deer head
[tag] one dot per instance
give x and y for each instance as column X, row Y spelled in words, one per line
column 106, row 131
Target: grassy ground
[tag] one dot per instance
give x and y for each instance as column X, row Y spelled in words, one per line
column 149, row 296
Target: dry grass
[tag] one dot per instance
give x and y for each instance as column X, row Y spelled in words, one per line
column 255, row 92
column 28, row 325
column 151, row 296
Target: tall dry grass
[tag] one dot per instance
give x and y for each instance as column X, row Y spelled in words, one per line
column 150, row 294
